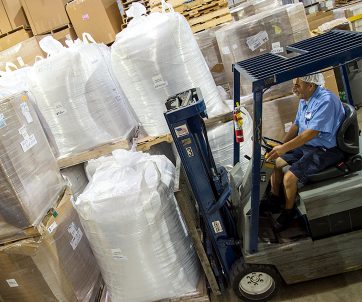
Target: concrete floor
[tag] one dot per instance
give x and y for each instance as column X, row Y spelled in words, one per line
column 340, row 288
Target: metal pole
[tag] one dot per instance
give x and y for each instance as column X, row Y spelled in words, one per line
column 347, row 87
column 236, row 98
column 255, row 193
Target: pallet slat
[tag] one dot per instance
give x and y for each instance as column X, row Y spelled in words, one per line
column 211, row 23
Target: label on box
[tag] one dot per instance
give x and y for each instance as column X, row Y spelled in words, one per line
column 117, row 254
column 329, row 4
column 59, row 109
column 20, row 61
column 226, row 50
column 28, row 143
column 2, row 121
column 29, row 140
column 12, row 283
column 287, row 126
column 276, row 48
column 76, row 233
column 52, row 227
column 158, row 82
column 26, row 112
column 254, row 42
column 85, row 17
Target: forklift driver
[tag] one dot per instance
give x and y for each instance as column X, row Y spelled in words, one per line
column 309, row 146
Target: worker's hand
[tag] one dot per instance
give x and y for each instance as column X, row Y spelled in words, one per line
column 276, row 152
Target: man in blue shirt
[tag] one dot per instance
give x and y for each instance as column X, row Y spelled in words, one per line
column 310, row 146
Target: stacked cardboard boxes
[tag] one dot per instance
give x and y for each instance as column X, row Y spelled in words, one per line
column 101, row 18
column 44, row 255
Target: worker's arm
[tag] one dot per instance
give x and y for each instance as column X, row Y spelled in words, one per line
column 294, row 143
column 292, row 133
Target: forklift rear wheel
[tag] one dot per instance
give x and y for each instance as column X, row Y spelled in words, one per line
column 254, row 282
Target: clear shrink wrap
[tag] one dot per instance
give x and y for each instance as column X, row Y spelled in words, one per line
column 253, row 7
column 350, row 11
column 206, row 40
column 76, row 178
column 30, row 181
column 57, row 266
column 78, row 98
column 269, row 31
column 13, row 82
column 135, row 228
column 156, row 57
column 278, row 115
column 221, row 139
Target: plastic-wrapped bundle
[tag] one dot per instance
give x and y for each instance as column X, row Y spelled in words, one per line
column 221, row 139
column 350, row 11
column 76, row 178
column 278, row 115
column 80, row 101
column 253, row 7
column 156, row 57
column 133, row 223
column 270, row 31
column 208, row 45
column 13, row 82
column 58, row 266
column 30, row 182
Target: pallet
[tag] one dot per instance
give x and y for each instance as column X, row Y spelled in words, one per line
column 212, row 23
column 209, row 16
column 35, row 231
column 144, row 144
column 200, row 295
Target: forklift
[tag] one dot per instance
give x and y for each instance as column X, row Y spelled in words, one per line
column 244, row 250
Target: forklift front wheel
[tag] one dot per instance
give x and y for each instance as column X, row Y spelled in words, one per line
column 254, row 282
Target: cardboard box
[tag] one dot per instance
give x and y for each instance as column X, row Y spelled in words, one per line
column 14, row 37
column 101, row 18
column 57, row 266
column 22, row 54
column 45, row 15
column 319, row 18
column 15, row 13
column 64, row 34
column 5, row 25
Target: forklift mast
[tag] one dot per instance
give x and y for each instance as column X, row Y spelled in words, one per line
column 209, row 183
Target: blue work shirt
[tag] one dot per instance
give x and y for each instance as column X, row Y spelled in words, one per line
column 323, row 112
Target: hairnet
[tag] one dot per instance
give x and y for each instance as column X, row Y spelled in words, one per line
column 316, row 78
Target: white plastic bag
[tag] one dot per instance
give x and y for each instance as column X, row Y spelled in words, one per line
column 77, row 96
column 132, row 220
column 156, row 57
column 13, row 81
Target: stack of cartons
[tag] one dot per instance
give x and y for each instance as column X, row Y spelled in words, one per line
column 353, row 12
column 44, row 255
column 100, row 18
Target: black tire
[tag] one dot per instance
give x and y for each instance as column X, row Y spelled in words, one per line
column 240, row 280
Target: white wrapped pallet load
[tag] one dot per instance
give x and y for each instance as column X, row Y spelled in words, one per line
column 156, row 57
column 135, row 228
column 79, row 99
column 221, row 140
column 30, row 182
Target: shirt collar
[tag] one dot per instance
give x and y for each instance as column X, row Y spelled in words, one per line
column 314, row 95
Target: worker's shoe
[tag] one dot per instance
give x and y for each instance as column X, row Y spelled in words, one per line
column 284, row 219
column 269, row 204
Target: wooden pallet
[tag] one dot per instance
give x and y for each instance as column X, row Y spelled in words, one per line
column 209, row 16
column 212, row 23
column 144, row 144
column 35, row 231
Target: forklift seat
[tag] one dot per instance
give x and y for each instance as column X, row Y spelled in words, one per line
column 348, row 142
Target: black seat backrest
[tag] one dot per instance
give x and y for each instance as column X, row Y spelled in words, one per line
column 348, row 132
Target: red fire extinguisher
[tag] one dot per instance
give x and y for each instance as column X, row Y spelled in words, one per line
column 238, row 124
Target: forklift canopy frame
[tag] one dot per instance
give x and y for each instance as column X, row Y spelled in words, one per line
column 332, row 49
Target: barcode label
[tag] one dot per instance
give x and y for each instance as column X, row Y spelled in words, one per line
column 254, row 42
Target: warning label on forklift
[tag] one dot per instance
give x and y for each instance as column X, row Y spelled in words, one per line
column 181, row 130
column 217, row 226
